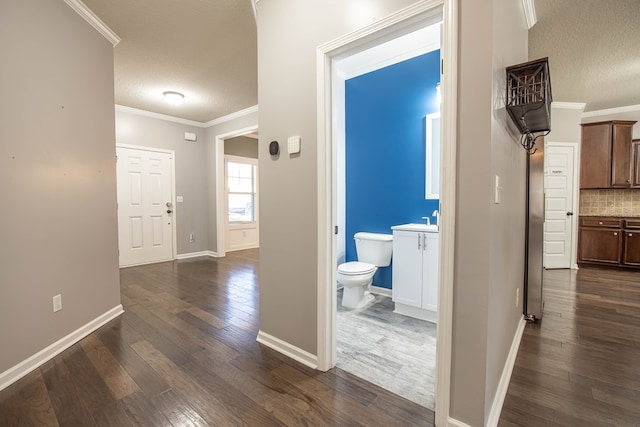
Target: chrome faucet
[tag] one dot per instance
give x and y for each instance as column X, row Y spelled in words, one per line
column 427, row 219
column 436, row 214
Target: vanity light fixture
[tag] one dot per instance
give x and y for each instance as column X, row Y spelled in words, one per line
column 172, row 97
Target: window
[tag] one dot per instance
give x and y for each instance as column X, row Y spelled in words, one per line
column 241, row 191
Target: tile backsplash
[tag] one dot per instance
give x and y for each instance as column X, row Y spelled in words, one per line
column 612, row 202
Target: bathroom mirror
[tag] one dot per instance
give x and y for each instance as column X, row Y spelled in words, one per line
column 432, row 165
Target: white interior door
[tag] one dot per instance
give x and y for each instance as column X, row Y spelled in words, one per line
column 558, row 215
column 145, row 206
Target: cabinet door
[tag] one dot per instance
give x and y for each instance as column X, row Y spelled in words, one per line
column 635, row 170
column 595, row 156
column 621, row 161
column 407, row 268
column 430, row 265
column 600, row 245
column 631, row 248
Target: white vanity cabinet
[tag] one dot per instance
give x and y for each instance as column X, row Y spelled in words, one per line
column 415, row 271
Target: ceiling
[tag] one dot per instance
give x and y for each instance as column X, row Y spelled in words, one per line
column 207, row 50
column 593, row 48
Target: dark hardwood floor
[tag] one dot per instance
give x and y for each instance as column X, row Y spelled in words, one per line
column 184, row 353
column 580, row 366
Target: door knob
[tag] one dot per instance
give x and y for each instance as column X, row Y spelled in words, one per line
column 569, row 213
column 169, row 204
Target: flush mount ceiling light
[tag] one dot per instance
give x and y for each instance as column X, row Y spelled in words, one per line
column 172, row 97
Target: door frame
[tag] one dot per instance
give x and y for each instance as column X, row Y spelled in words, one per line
column 575, row 207
column 172, row 153
column 404, row 21
column 221, row 246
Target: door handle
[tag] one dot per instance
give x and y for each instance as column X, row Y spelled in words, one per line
column 419, row 241
column 569, row 213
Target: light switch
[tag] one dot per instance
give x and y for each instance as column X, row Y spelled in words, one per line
column 293, row 144
column 497, row 191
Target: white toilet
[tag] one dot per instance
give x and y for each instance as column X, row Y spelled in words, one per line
column 373, row 250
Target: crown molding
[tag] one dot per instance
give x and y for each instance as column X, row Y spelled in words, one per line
column 123, row 109
column 529, row 12
column 232, row 116
column 617, row 110
column 93, row 20
column 569, row 105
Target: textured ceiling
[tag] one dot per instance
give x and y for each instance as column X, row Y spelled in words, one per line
column 205, row 49
column 593, row 48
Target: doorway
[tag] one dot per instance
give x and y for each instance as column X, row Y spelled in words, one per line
column 560, row 182
column 331, row 136
column 146, row 215
column 241, row 185
column 221, row 221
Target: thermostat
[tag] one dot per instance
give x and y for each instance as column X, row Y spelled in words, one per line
column 274, row 148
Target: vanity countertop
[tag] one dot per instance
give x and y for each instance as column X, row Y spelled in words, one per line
column 428, row 228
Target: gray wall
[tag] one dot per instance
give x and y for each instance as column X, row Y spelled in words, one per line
column 242, row 146
column 190, row 162
column 57, row 159
column 489, row 238
column 225, row 128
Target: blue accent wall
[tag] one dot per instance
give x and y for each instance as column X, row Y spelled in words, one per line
column 385, row 149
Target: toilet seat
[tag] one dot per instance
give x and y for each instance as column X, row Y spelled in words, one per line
column 354, row 268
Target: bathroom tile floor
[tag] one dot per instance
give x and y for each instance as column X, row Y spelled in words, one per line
column 393, row 351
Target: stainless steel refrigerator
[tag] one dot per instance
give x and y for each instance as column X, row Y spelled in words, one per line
column 534, row 240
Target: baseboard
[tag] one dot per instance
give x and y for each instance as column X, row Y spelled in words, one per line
column 289, row 350
column 197, row 254
column 380, row 291
column 13, row 374
column 575, row 267
column 455, row 423
column 503, row 385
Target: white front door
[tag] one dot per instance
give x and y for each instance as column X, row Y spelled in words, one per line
column 145, row 206
column 558, row 215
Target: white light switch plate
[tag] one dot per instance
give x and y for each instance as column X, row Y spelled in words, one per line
column 293, row 144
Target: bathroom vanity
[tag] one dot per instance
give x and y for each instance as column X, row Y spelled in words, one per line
column 415, row 271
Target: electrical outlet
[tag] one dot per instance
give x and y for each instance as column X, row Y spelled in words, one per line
column 57, row 303
column 191, row 238
column 517, row 297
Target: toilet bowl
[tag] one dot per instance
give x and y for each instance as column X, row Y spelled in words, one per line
column 373, row 250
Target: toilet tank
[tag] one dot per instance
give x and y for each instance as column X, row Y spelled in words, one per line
column 374, row 248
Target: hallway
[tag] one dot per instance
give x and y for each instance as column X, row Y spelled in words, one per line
column 580, row 366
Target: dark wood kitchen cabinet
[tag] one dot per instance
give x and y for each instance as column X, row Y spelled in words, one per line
column 600, row 240
column 606, row 154
column 609, row 241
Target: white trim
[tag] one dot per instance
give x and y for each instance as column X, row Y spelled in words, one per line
column 220, row 179
column 575, row 267
column 503, row 385
column 529, row 9
column 287, row 349
column 232, row 116
column 380, row 291
column 123, row 109
column 617, row 110
column 174, row 223
column 455, row 423
column 569, row 105
column 448, row 169
column 193, row 255
column 93, row 20
column 405, row 19
column 18, row 371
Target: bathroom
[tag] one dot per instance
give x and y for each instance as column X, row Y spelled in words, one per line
column 389, row 180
